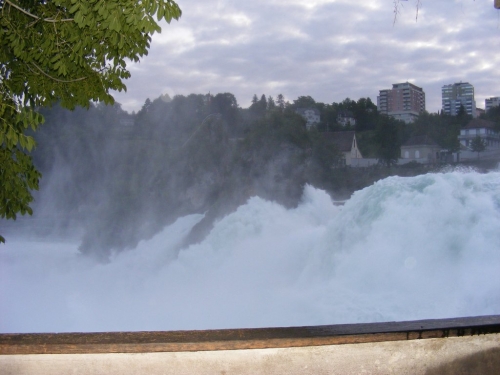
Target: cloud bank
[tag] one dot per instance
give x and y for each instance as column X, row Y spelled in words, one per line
column 328, row 49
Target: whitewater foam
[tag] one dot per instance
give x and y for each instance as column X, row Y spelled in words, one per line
column 401, row 249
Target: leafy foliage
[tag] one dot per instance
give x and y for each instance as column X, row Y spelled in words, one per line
column 74, row 50
column 70, row 51
column 493, row 114
column 17, row 172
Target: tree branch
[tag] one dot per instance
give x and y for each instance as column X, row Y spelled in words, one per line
column 419, row 4
column 397, row 4
column 56, row 79
column 396, row 11
column 36, row 17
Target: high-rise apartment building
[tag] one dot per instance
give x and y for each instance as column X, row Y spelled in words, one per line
column 491, row 102
column 404, row 101
column 457, row 95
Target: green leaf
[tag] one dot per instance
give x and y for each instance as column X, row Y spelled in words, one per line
column 74, row 8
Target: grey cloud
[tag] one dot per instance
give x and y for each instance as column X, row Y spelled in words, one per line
column 330, row 51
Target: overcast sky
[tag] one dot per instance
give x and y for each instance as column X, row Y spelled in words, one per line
column 328, row 49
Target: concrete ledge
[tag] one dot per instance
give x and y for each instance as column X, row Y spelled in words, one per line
column 454, row 355
column 445, row 346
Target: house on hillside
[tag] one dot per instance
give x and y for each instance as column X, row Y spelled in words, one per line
column 346, row 118
column 421, row 149
column 484, row 129
column 311, row 115
column 346, row 143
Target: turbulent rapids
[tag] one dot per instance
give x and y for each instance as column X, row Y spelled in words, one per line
column 401, row 249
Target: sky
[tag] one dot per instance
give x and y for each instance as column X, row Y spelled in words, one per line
column 328, row 49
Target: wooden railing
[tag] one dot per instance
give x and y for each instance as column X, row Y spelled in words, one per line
column 237, row 339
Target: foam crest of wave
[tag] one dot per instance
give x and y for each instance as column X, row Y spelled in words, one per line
column 401, row 249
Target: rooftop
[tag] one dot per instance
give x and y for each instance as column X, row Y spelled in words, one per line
column 478, row 123
column 420, row 140
column 343, row 140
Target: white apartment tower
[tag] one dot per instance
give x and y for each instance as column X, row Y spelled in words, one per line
column 456, row 95
column 491, row 102
column 404, row 101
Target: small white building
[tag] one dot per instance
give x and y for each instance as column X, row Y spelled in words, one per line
column 421, row 149
column 484, row 129
column 346, row 118
column 311, row 115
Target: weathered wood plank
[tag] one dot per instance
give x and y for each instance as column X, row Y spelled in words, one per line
column 232, row 339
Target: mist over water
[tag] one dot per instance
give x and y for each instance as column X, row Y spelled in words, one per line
column 401, row 249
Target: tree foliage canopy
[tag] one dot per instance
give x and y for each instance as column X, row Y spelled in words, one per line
column 389, row 145
column 478, row 145
column 71, row 51
column 74, row 50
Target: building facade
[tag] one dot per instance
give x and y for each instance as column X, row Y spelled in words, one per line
column 457, row 95
column 311, row 115
column 491, row 102
column 421, row 149
column 483, row 129
column 346, row 118
column 404, row 101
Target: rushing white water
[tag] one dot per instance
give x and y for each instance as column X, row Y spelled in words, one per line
column 402, row 249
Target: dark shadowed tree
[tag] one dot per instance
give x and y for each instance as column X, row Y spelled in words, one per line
column 258, row 107
column 263, row 101
column 325, row 155
column 388, row 142
column 144, row 110
column 493, row 114
column 255, row 99
column 365, row 113
column 280, row 102
column 478, row 145
column 304, row 102
column 271, row 103
column 227, row 105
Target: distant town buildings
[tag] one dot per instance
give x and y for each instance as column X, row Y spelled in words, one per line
column 491, row 102
column 311, row 115
column 457, row 95
column 404, row 101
